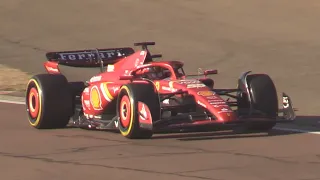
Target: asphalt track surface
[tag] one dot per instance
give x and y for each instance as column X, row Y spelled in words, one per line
column 278, row 37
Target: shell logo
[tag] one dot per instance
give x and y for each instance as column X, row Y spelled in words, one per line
column 205, row 93
column 95, row 98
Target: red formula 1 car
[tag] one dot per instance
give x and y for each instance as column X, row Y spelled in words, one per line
column 138, row 96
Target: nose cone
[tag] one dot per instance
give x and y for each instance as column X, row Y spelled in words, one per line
column 208, row 99
column 217, row 107
column 224, row 114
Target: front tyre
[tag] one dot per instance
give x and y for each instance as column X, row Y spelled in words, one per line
column 48, row 101
column 137, row 103
column 264, row 99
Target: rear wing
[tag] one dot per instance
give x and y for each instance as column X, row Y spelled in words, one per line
column 92, row 58
column 89, row 58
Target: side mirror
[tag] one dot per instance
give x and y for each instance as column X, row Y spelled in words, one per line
column 210, row 71
column 126, row 77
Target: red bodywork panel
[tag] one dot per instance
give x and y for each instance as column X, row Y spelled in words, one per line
column 52, row 67
column 203, row 95
column 104, row 87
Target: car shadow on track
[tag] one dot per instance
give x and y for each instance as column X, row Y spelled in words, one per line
column 301, row 121
column 308, row 121
column 221, row 135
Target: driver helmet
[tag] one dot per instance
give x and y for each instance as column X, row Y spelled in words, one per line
column 158, row 72
column 151, row 72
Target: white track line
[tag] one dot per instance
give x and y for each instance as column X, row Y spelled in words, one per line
column 276, row 128
column 297, row 130
column 12, row 102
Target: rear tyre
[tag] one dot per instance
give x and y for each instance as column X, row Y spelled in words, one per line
column 49, row 101
column 264, row 99
column 130, row 96
column 77, row 87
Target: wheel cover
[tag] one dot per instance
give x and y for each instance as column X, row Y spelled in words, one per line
column 33, row 102
column 125, row 111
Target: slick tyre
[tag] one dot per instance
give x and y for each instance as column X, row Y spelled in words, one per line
column 49, row 101
column 130, row 100
column 264, row 99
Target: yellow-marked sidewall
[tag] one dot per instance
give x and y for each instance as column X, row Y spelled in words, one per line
column 128, row 130
column 36, row 122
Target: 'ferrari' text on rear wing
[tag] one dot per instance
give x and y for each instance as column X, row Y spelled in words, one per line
column 89, row 58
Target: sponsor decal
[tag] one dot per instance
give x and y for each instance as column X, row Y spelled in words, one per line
column 171, row 84
column 201, row 104
column 142, row 53
column 192, row 83
column 143, row 112
column 225, row 110
column 127, row 73
column 218, row 102
column 85, row 92
column 95, row 78
column 136, row 63
column 168, row 89
column 212, row 97
column 205, row 93
column 88, row 55
column 223, row 105
column 195, row 85
column 189, row 82
column 166, row 101
column 51, row 69
column 285, row 101
column 87, row 103
column 95, row 98
column 215, row 100
column 158, row 85
column 110, row 68
column 115, row 89
column 86, row 115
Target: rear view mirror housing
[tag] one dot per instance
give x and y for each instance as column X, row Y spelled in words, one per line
column 128, row 77
column 210, row 71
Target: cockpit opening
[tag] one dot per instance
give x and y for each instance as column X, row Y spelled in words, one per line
column 160, row 72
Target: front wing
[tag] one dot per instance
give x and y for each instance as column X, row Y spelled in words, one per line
column 190, row 121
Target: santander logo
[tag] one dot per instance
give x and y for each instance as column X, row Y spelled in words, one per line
column 192, row 83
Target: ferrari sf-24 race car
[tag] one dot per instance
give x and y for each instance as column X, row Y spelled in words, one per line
column 139, row 96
